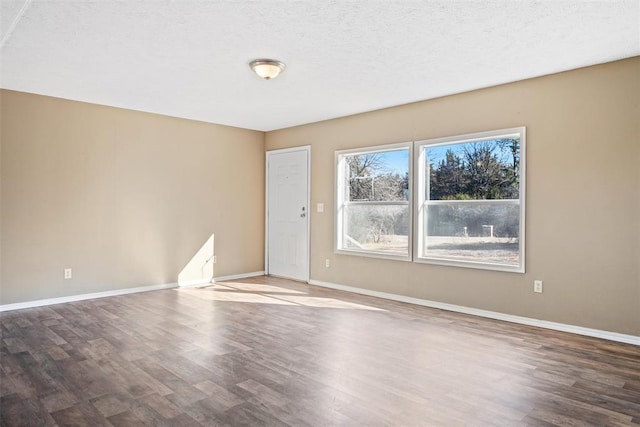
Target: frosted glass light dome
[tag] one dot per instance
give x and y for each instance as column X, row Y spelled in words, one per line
column 267, row 68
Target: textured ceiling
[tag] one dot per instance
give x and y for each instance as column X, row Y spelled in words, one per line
column 189, row 58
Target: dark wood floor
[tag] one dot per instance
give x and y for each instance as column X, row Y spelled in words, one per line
column 268, row 351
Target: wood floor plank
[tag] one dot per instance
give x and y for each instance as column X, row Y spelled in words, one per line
column 126, row 419
column 269, row 351
column 18, row 411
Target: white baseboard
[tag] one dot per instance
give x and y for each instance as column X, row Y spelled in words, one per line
column 194, row 283
column 238, row 276
column 81, row 297
column 597, row 333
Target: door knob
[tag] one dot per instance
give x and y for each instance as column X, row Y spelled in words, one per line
column 302, row 215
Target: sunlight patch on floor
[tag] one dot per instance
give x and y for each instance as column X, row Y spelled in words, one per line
column 253, row 287
column 211, row 294
column 266, row 294
column 310, row 301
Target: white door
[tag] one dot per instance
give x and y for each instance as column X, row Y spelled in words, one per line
column 287, row 251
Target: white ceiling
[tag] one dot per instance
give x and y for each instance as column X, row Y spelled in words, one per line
column 189, row 58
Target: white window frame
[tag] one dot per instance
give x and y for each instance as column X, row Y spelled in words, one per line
column 421, row 202
column 340, row 203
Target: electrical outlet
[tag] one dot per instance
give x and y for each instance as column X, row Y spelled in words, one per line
column 320, row 207
column 537, row 286
column 327, row 263
column 215, row 259
column 67, row 273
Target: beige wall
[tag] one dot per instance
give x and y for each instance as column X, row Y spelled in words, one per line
column 583, row 196
column 1, row 96
column 123, row 198
column 127, row 198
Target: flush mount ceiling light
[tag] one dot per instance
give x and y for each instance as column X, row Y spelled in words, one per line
column 267, row 68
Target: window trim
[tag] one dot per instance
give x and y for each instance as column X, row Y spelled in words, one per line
column 419, row 199
column 338, row 177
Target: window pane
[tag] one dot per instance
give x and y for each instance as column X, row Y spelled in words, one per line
column 373, row 201
column 473, row 231
column 479, row 170
column 381, row 176
column 380, row 228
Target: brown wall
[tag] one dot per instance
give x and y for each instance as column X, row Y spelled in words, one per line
column 583, row 196
column 122, row 197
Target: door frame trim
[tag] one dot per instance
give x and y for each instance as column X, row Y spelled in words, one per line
column 268, row 153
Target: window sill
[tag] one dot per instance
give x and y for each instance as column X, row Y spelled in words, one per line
column 379, row 255
column 471, row 264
